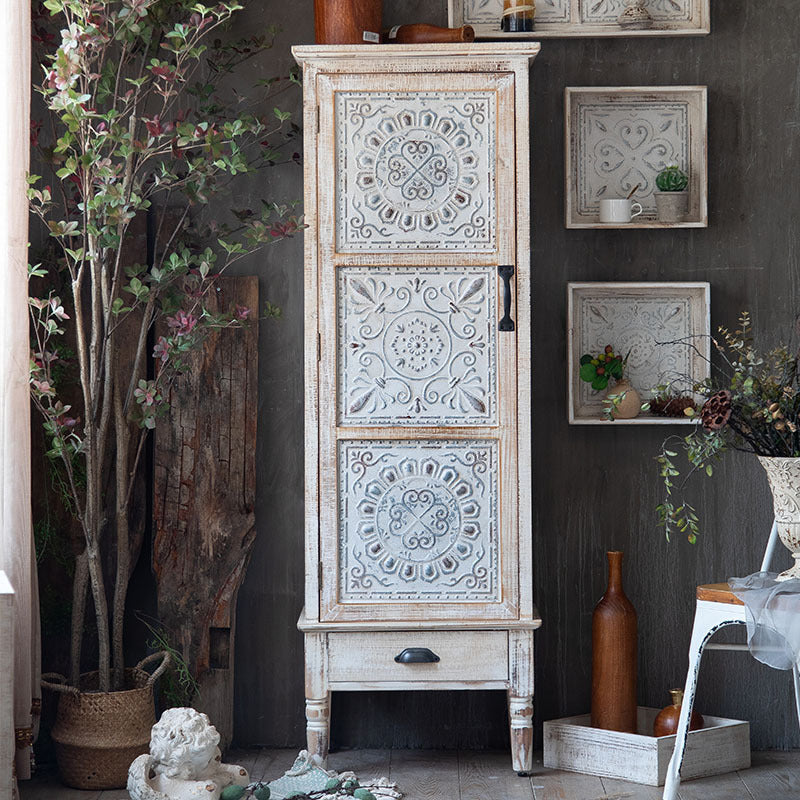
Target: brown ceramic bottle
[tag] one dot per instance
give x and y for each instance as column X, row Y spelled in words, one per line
column 614, row 654
column 419, row 33
column 666, row 723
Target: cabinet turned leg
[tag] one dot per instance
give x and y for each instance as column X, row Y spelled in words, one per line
column 520, row 713
column 318, row 722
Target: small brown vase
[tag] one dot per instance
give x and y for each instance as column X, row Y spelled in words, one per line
column 614, row 655
column 666, row 723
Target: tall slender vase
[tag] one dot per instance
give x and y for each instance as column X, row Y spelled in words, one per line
column 783, row 475
column 614, row 655
column 347, row 21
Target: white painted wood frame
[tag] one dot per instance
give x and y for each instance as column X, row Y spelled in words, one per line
column 642, row 318
column 556, row 19
column 618, row 137
column 401, row 279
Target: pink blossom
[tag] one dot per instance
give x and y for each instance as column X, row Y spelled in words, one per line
column 182, row 323
column 161, row 349
column 242, row 312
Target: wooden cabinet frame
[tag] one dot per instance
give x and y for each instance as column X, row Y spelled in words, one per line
column 416, row 187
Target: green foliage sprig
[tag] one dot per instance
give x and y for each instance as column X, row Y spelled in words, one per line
column 139, row 124
column 752, row 404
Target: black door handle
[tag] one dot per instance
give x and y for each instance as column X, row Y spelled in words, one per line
column 506, row 272
column 416, row 655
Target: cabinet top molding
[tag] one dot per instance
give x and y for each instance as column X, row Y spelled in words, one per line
column 397, row 57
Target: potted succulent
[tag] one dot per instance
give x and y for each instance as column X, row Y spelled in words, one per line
column 622, row 401
column 672, row 197
column 137, row 128
column 752, row 404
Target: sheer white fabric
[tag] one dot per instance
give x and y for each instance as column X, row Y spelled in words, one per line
column 16, row 546
column 773, row 617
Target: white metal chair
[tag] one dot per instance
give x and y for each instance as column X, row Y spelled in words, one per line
column 717, row 607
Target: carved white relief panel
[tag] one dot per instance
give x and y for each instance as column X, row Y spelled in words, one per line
column 416, row 171
column 418, row 521
column 488, row 12
column 619, row 139
column 557, row 18
column 607, row 11
column 417, row 346
column 623, row 145
column 663, row 327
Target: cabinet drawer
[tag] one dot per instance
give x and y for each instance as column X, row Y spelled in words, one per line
column 463, row 656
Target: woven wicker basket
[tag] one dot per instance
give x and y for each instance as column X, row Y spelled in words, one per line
column 98, row 734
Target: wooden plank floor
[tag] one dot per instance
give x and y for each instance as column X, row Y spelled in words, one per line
column 470, row 775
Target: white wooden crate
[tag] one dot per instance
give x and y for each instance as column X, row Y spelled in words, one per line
column 723, row 745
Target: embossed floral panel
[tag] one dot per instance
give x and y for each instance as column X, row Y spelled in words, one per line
column 620, row 139
column 417, row 346
column 607, row 11
column 663, row 328
column 416, row 171
column 418, row 521
column 566, row 18
column 488, row 12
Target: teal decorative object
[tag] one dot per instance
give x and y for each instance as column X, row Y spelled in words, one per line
column 672, row 179
column 232, row 793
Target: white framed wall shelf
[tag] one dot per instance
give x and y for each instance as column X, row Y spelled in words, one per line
column 666, row 328
column 618, row 138
column 579, row 18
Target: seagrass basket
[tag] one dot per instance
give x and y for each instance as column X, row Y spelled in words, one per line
column 98, row 734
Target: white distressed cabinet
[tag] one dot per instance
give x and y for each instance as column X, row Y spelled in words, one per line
column 417, row 302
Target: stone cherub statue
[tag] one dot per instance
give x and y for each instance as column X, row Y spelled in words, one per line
column 184, row 762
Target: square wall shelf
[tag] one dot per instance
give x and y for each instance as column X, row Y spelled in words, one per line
column 619, row 137
column 665, row 326
column 557, row 19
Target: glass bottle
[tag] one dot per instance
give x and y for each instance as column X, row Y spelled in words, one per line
column 517, row 16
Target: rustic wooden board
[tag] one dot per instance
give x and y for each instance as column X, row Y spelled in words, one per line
column 426, row 775
column 485, row 774
column 204, row 496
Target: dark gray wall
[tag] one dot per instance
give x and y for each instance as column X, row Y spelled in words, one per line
column 595, row 489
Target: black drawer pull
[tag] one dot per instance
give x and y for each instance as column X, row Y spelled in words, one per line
column 416, row 655
column 506, row 323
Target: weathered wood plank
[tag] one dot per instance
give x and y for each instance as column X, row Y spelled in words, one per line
column 774, row 776
column 488, row 774
column 553, row 785
column 367, row 764
column 204, row 500
column 426, row 774
column 616, row 788
column 719, row 787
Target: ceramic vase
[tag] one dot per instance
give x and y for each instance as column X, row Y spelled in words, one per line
column 346, row 21
column 783, row 475
column 666, row 722
column 630, row 403
column 614, row 655
column 672, row 206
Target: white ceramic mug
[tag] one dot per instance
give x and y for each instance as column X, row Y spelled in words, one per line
column 619, row 209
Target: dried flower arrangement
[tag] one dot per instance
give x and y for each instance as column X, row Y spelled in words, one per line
column 752, row 404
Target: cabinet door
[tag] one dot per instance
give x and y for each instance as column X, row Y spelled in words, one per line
column 418, row 505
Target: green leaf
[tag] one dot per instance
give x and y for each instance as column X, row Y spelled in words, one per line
column 588, row 372
column 600, row 382
column 585, row 359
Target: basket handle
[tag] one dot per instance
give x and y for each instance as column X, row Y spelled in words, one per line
column 166, row 659
column 57, row 683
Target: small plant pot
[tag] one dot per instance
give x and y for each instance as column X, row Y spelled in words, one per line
column 672, row 206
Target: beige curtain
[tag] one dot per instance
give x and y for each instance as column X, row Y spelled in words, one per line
column 16, row 544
